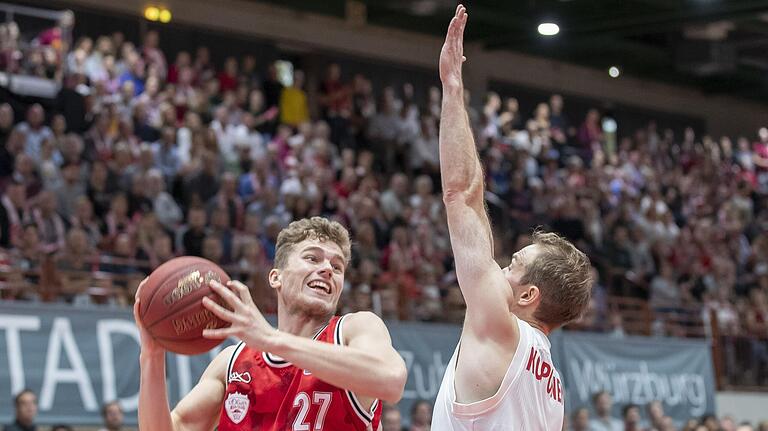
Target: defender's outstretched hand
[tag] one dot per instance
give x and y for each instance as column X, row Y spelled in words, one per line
column 452, row 54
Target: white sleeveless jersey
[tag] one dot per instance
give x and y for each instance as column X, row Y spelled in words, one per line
column 530, row 397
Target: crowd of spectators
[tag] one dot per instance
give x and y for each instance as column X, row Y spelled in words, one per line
column 139, row 159
column 39, row 54
column 650, row 417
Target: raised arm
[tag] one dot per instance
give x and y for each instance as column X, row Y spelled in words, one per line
column 198, row 410
column 481, row 279
column 366, row 364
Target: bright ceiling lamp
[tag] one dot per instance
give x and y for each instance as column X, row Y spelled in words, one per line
column 548, row 29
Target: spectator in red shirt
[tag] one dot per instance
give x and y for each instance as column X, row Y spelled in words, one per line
column 183, row 59
column 228, row 76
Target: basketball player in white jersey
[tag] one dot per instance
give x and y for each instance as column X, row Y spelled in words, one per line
column 501, row 376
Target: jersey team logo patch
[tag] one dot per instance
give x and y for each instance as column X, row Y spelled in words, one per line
column 236, row 407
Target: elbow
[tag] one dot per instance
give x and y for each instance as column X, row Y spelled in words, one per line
column 394, row 386
column 455, row 188
column 463, row 194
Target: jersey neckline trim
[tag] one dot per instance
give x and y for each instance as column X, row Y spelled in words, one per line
column 277, row 362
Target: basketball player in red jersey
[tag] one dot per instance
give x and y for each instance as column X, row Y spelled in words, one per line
column 314, row 372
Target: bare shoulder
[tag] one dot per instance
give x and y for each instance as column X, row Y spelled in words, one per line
column 363, row 323
column 363, row 318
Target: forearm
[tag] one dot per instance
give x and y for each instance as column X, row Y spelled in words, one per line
column 362, row 372
column 154, row 412
column 459, row 163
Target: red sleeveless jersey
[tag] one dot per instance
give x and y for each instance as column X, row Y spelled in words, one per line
column 268, row 393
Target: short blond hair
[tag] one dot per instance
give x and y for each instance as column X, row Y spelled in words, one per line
column 563, row 275
column 317, row 228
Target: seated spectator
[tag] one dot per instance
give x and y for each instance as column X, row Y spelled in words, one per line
column 75, row 263
column 112, row 414
column 25, row 403
column 202, row 185
column 603, row 421
column 421, row 416
column 219, row 228
column 36, row 131
column 631, row 415
column 293, row 102
column 50, row 225
column 122, row 259
column 166, row 209
column 117, row 221
column 193, row 233
column 655, row 411
column 227, row 200
column 391, row 419
column 71, row 188
column 14, row 212
column 213, row 250
column 580, row 420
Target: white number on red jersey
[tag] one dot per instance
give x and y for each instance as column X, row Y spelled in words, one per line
column 302, row 402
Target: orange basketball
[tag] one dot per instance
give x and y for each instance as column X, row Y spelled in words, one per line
column 171, row 307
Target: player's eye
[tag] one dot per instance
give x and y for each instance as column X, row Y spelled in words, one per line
column 337, row 268
column 311, row 258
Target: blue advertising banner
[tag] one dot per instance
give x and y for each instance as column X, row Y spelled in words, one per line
column 76, row 359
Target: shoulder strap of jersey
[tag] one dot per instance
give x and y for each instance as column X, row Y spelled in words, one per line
column 239, row 348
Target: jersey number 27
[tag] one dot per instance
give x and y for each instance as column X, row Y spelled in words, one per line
column 303, row 402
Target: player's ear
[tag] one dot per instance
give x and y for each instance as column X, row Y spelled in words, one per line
column 530, row 295
column 275, row 278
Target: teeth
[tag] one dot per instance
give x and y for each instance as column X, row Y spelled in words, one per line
column 320, row 285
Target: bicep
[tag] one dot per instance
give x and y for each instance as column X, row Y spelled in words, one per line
column 199, row 409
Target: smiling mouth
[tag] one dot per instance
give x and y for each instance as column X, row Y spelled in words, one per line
column 321, row 286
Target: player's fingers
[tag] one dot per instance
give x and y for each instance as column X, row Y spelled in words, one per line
column 219, row 311
column 227, row 295
column 136, row 312
column 220, row 333
column 242, row 291
column 449, row 33
column 458, row 8
column 138, row 289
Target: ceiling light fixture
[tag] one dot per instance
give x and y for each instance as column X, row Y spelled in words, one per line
column 548, row 29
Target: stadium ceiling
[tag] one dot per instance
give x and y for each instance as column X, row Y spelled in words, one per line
column 717, row 46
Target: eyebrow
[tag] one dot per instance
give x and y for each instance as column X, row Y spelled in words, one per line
column 316, row 248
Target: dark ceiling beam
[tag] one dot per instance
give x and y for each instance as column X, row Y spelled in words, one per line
column 754, row 26
column 759, row 63
column 649, row 23
column 620, row 50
